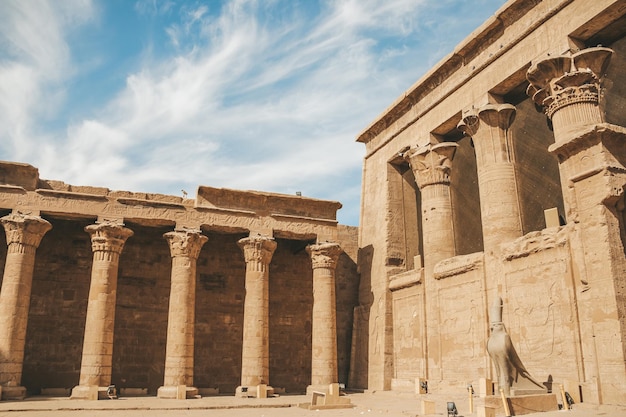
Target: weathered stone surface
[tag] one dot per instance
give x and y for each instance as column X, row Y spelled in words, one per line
column 562, row 286
column 131, row 349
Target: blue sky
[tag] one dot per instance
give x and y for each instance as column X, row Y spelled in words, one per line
column 165, row 95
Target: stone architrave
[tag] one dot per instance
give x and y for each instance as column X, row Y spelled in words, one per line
column 499, row 201
column 431, row 165
column 324, row 258
column 185, row 246
column 258, row 251
column 107, row 241
column 23, row 234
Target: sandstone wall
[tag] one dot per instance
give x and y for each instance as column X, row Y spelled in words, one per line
column 61, row 289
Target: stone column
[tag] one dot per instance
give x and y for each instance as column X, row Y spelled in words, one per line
column 499, row 200
column 23, row 233
column 567, row 89
column 107, row 242
column 592, row 165
column 431, row 166
column 324, row 258
column 255, row 358
column 185, row 246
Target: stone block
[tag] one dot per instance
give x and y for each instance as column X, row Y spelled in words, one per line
column 428, row 407
column 552, row 217
column 485, row 387
column 485, row 411
column 181, row 392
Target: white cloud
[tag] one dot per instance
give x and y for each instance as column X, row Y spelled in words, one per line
column 255, row 95
column 35, row 62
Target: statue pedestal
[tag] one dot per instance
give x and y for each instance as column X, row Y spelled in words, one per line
column 520, row 404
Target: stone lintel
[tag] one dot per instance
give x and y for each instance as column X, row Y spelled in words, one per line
column 266, row 203
column 71, row 195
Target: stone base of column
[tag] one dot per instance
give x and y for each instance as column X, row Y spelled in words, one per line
column 177, row 392
column 12, row 393
column 89, row 392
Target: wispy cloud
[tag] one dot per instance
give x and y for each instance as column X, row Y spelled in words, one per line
column 265, row 95
column 35, row 61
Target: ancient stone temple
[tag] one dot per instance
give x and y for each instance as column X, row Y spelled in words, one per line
column 170, row 296
column 501, row 173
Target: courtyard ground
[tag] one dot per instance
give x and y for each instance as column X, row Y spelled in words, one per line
column 384, row 404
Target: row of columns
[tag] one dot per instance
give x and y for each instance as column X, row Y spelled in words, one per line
column 567, row 90
column 24, row 233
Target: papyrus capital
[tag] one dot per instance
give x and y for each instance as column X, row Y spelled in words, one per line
column 25, row 229
column 108, row 236
column 324, row 255
column 185, row 242
column 258, row 248
column 557, row 82
column 431, row 164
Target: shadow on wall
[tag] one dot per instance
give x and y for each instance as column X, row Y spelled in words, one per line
column 358, row 376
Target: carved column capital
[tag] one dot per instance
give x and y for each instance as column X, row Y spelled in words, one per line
column 24, row 230
column 258, row 249
column 499, row 116
column 489, row 128
column 324, row 255
column 431, row 164
column 108, row 236
column 557, row 83
column 185, row 242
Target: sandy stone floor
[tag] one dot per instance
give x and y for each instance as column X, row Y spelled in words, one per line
column 366, row 404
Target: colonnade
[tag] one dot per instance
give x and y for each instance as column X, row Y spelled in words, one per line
column 591, row 159
column 25, row 232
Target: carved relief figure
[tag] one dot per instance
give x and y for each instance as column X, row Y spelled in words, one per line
column 509, row 366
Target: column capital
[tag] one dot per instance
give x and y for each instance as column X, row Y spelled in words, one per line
column 499, row 116
column 558, row 82
column 258, row 248
column 431, row 164
column 108, row 236
column 324, row 255
column 25, row 229
column 185, row 242
column 489, row 128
